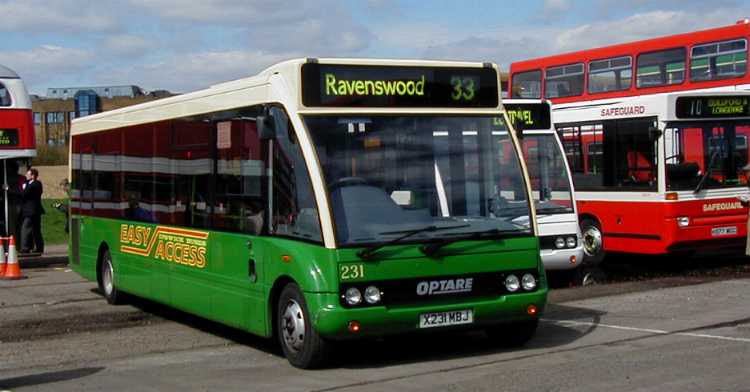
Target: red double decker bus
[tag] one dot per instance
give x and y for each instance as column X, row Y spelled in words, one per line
column 707, row 59
column 17, row 140
column 655, row 133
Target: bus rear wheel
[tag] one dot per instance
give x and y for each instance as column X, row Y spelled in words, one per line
column 107, row 280
column 514, row 334
column 593, row 243
column 302, row 345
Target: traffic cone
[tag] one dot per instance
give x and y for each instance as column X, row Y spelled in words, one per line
column 3, row 262
column 13, row 269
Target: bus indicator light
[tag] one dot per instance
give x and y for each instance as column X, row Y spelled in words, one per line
column 531, row 310
column 671, row 196
column 286, row 259
column 354, row 326
column 573, row 260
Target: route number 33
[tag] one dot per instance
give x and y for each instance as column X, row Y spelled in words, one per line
column 351, row 272
column 464, row 88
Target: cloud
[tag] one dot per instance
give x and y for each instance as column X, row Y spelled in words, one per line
column 555, row 9
column 246, row 12
column 514, row 43
column 40, row 66
column 192, row 71
column 128, row 45
column 67, row 16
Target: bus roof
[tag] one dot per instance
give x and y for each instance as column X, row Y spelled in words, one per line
column 7, row 73
column 738, row 30
column 234, row 94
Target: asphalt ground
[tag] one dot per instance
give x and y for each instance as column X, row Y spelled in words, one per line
column 660, row 332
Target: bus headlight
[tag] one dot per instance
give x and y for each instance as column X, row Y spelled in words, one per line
column 683, row 221
column 353, row 296
column 511, row 283
column 372, row 295
column 559, row 242
column 571, row 242
column 528, row 281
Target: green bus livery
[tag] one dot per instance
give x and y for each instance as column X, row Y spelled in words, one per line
column 319, row 201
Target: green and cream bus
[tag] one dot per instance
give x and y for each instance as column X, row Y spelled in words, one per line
column 319, row 201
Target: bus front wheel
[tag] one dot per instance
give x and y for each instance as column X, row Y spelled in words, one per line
column 107, row 280
column 302, row 345
column 593, row 243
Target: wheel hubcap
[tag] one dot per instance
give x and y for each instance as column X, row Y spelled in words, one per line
column 293, row 326
column 107, row 277
column 592, row 241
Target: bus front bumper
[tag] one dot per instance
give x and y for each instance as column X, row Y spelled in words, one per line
column 332, row 321
column 561, row 259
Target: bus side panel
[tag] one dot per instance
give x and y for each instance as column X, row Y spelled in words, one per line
column 88, row 249
column 312, row 267
column 222, row 290
column 629, row 226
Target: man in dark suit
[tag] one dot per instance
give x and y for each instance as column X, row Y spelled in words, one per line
column 31, row 213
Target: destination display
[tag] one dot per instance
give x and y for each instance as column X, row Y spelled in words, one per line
column 529, row 115
column 8, row 137
column 713, row 106
column 333, row 85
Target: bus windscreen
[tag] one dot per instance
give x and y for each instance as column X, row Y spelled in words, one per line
column 712, row 106
column 526, row 116
column 335, row 85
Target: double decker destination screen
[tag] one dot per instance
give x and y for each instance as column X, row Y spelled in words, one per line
column 713, row 106
column 334, row 85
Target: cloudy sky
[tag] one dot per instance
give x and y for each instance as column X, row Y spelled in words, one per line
column 182, row 45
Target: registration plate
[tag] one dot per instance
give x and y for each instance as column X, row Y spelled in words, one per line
column 721, row 231
column 442, row 319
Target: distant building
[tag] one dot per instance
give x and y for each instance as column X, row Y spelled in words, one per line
column 53, row 113
column 104, row 91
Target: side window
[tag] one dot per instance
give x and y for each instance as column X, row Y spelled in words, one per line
column 106, row 180
column 294, row 209
column 527, row 85
column 82, row 181
column 564, row 81
column 583, row 149
column 610, row 74
column 137, row 167
column 661, row 68
column 719, row 60
column 4, row 96
column 191, row 167
column 240, row 190
column 629, row 155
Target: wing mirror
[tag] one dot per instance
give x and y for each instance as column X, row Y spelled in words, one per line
column 266, row 128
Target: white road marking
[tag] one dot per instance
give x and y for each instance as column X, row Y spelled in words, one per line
column 647, row 330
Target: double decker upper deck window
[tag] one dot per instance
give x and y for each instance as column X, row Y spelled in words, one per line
column 527, row 85
column 564, row 81
column 613, row 74
column 718, row 60
column 661, row 68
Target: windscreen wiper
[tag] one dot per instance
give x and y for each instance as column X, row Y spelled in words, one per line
column 707, row 173
column 368, row 252
column 432, row 248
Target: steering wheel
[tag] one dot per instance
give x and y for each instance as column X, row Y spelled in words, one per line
column 347, row 181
